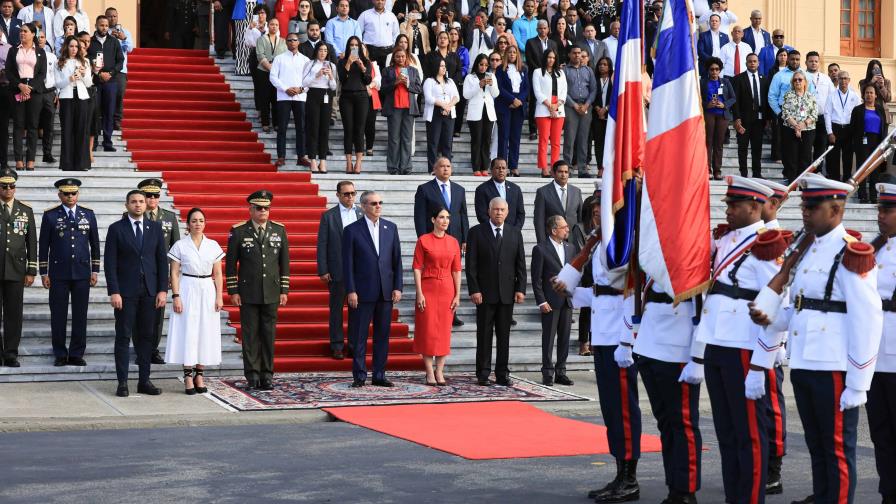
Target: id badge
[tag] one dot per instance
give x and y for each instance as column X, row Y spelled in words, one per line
column 326, row 97
column 758, row 115
column 416, row 51
column 864, row 140
column 603, row 28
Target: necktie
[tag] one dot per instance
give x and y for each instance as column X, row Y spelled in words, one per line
column 736, row 59
column 445, row 196
column 152, row 216
column 71, row 215
column 498, row 236
column 4, row 211
column 502, row 191
column 563, row 197
column 755, row 93
column 138, row 229
column 572, row 30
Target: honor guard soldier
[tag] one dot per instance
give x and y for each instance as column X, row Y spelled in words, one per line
column 881, row 405
column 153, row 189
column 774, row 398
column 257, row 272
column 19, row 263
column 663, row 347
column 69, row 255
column 743, row 263
column 834, row 324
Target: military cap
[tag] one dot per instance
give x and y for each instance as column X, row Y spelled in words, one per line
column 262, row 198
column 817, row 188
column 8, row 176
column 68, row 185
column 150, row 186
column 745, row 189
column 886, row 194
column 779, row 190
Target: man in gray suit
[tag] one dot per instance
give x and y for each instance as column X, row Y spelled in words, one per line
column 548, row 258
column 557, row 198
column 329, row 259
column 595, row 47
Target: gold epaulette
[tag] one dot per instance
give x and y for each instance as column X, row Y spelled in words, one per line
column 277, row 223
column 849, row 238
column 51, row 208
column 23, row 203
column 238, row 224
column 84, row 207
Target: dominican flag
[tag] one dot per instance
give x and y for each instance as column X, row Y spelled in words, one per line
column 624, row 145
column 674, row 230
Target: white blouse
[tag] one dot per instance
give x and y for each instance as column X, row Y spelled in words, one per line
column 64, row 84
column 434, row 91
column 196, row 261
column 310, row 78
column 515, row 78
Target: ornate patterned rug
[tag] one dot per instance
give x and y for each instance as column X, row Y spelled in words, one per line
column 333, row 389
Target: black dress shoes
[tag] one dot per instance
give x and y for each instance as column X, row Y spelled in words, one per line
column 60, row 361
column 356, row 383
column 122, row 389
column 547, row 381
column 148, row 388
column 504, row 382
column 252, row 384
column 808, row 500
column 485, row 382
column 563, row 380
column 457, row 322
column 48, row 158
column 773, row 483
column 382, row 383
column 627, row 488
column 157, row 358
column 76, row 361
column 12, row 362
column 512, row 323
column 680, row 498
column 109, row 148
column 266, row 384
column 338, row 355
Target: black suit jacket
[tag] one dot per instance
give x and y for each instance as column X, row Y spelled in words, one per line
column 496, row 272
column 329, row 243
column 535, row 55
column 322, row 16
column 516, row 207
column 545, row 266
column 134, row 272
column 857, row 126
column 599, row 98
column 429, row 198
column 743, row 108
column 13, row 35
column 38, row 84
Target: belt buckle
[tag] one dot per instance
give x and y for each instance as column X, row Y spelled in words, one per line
column 799, row 303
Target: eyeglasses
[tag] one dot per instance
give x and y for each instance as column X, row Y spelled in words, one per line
column 70, row 193
column 7, row 186
column 347, row 194
column 778, row 36
column 292, row 40
column 153, row 196
column 375, row 203
column 799, row 80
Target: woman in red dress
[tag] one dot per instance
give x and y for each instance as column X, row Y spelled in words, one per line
column 283, row 11
column 437, row 277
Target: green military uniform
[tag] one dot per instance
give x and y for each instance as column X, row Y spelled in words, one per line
column 18, row 258
column 257, row 268
column 171, row 231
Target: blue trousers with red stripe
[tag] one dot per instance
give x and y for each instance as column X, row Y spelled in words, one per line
column 776, row 412
column 617, row 389
column 830, row 433
column 741, row 424
column 881, row 410
column 675, row 406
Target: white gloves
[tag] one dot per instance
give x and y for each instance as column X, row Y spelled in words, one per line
column 623, row 356
column 781, row 356
column 754, row 385
column 852, row 398
column 692, row 373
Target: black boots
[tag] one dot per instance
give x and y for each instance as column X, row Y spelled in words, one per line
column 773, row 484
column 623, row 488
column 680, row 498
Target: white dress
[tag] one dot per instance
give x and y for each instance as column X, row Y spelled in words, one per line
column 194, row 336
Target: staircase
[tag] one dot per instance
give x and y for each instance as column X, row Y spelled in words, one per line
column 200, row 139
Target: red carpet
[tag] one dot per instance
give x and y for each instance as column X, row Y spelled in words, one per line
column 486, row 430
column 210, row 157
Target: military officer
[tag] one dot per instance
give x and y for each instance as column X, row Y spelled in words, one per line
column 726, row 338
column 881, row 407
column 774, row 398
column 69, row 255
column 832, row 348
column 18, row 263
column 259, row 251
column 180, row 29
column 152, row 187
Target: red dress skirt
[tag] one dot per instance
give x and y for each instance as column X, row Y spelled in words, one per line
column 436, row 258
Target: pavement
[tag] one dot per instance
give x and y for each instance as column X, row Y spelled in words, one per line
column 77, row 442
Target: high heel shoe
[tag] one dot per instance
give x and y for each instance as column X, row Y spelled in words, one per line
column 199, row 374
column 430, row 383
column 188, row 373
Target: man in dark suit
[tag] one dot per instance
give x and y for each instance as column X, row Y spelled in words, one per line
column 595, row 48
column 750, row 90
column 136, row 265
column 438, row 193
column 710, row 42
column 69, row 260
column 324, row 10
column 575, row 29
column 755, row 30
column 498, row 185
column 496, row 279
column 371, row 265
column 534, row 51
column 315, row 39
column 329, row 259
column 557, row 198
column 548, row 258
column 10, row 25
column 106, row 79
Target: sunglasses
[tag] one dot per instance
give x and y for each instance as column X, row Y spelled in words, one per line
column 352, row 193
column 7, row 186
column 153, row 196
column 799, row 80
column 375, row 203
column 262, row 209
column 292, row 40
column 70, row 193
column 778, row 36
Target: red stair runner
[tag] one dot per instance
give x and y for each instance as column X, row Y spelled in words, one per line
column 210, row 157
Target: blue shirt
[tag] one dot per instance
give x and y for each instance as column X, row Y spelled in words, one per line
column 767, row 57
column 712, row 88
column 780, row 85
column 872, row 122
column 524, row 29
column 338, row 32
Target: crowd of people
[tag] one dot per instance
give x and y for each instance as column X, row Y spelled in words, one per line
column 50, row 61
